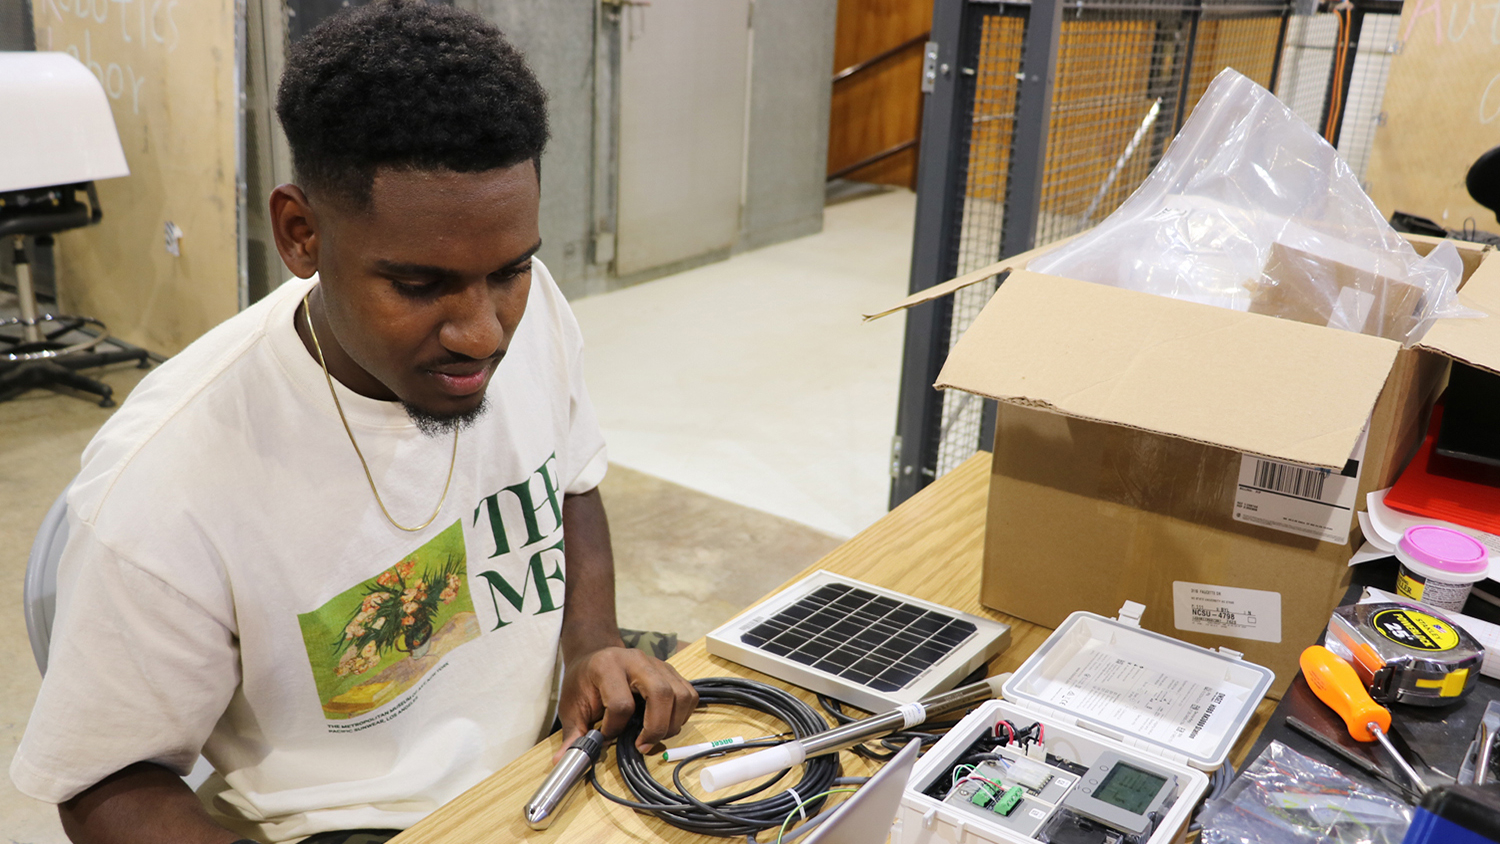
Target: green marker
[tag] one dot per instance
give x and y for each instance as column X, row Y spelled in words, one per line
column 675, row 754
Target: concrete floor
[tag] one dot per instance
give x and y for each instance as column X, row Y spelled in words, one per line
column 748, row 411
column 755, row 379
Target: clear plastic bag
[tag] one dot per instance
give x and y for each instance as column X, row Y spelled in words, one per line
column 1250, row 209
column 1287, row 798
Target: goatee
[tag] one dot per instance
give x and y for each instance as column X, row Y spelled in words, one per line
column 434, row 425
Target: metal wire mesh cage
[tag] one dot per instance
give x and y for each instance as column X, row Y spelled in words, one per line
column 987, row 162
column 1122, row 77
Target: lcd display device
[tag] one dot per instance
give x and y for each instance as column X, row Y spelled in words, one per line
column 1126, row 796
column 1130, row 788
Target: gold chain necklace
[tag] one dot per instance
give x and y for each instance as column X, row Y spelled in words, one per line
column 453, row 461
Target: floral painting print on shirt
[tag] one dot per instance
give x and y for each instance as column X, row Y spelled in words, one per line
column 373, row 641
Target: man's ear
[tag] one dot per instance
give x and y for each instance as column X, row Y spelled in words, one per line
column 295, row 227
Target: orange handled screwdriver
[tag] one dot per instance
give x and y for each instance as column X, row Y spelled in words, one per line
column 1334, row 682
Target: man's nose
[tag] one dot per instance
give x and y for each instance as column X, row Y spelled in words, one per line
column 472, row 327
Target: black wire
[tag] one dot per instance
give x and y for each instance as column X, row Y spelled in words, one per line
column 727, row 817
column 1033, row 733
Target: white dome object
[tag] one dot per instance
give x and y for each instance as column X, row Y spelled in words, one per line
column 58, row 126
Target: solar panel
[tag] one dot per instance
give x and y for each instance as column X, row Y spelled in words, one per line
column 864, row 645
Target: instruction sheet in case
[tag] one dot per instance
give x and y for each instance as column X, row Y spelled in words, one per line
column 1134, row 698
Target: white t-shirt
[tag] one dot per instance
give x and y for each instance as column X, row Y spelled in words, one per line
column 230, row 585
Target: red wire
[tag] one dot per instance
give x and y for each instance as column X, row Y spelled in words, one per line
column 997, row 786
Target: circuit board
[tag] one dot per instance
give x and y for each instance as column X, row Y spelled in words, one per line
column 1012, row 790
column 1008, row 780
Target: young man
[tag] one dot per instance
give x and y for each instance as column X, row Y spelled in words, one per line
column 324, row 545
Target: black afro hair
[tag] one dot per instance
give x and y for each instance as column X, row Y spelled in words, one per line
column 405, row 84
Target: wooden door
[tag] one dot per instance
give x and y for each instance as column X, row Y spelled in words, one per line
column 878, row 108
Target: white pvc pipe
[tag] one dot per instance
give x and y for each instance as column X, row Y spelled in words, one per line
column 734, row 771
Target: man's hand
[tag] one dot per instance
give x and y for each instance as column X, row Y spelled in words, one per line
column 601, row 677
column 603, row 685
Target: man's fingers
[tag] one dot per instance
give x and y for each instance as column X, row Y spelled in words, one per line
column 570, row 734
column 686, row 701
column 658, row 721
column 579, row 707
column 619, row 703
column 670, row 700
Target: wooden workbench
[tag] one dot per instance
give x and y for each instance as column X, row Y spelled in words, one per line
column 930, row 547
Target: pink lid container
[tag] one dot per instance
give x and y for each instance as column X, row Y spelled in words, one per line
column 1445, row 549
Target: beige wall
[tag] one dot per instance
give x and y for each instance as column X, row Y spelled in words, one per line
column 168, row 67
column 1442, row 110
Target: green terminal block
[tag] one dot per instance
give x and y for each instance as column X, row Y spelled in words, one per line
column 983, row 795
column 1009, row 800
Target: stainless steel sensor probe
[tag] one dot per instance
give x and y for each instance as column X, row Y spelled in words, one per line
column 772, row 759
column 543, row 806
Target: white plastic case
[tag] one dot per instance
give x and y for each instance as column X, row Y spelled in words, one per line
column 1100, row 684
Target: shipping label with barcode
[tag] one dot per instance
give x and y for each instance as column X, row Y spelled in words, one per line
column 1305, row 500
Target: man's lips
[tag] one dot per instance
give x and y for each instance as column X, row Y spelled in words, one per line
column 463, row 379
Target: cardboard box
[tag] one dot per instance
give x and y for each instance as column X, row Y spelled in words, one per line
column 1304, row 290
column 1145, row 446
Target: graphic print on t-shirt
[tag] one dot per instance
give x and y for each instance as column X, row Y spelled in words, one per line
column 371, row 642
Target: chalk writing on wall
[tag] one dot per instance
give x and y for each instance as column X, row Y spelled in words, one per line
column 170, row 70
column 139, row 24
column 1477, row 20
column 1440, row 113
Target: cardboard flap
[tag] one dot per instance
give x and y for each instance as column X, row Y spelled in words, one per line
column 938, row 291
column 1250, row 383
column 1472, row 341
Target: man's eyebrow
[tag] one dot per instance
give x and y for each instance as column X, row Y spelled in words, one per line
column 524, row 256
column 428, row 271
column 423, row 270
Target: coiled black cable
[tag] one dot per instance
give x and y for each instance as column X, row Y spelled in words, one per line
column 726, row 816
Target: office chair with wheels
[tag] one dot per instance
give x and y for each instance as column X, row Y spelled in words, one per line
column 39, row 595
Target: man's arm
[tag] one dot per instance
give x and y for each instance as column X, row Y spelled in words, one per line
column 601, row 676
column 143, row 803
